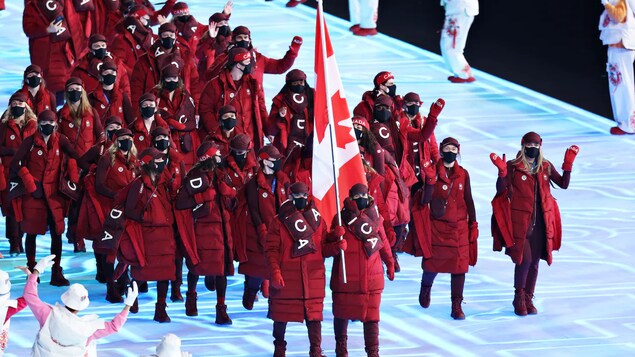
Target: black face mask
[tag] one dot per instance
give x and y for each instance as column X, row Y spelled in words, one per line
column 125, row 145
column 184, row 18
column 358, row 134
column 100, row 53
column 74, row 95
column 412, row 110
column 300, row 202
column 228, row 124
column 381, row 115
column 248, row 69
column 33, row 81
column 277, row 165
column 47, row 129
column 159, row 166
column 297, row 88
column 240, row 159
column 148, row 25
column 147, row 112
column 242, row 44
column 162, row 144
column 449, row 157
column 224, row 31
column 167, row 42
column 108, row 79
column 110, row 134
column 171, row 86
column 392, row 90
column 17, row 112
column 361, row 202
column 532, row 153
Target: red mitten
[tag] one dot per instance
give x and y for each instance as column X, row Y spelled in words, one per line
column 339, row 231
column 436, row 108
column 391, row 272
column 473, row 231
column 342, row 244
column 499, row 162
column 3, row 180
column 174, row 124
column 205, row 196
column 276, row 279
column 295, row 44
column 569, row 157
column 27, row 179
column 73, row 171
column 391, row 236
column 430, row 173
column 262, row 230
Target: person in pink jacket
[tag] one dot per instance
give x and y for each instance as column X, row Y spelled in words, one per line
column 62, row 332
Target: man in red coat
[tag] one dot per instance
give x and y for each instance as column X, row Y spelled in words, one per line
column 214, row 42
column 237, row 87
column 384, row 83
column 134, row 37
column 88, row 67
column 295, row 248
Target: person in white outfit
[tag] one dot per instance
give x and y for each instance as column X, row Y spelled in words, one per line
column 62, row 332
column 170, row 346
column 363, row 14
column 617, row 31
column 8, row 308
column 459, row 15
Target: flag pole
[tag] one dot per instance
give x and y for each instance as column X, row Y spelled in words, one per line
column 329, row 109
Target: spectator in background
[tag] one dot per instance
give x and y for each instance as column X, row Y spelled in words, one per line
column 363, row 14
column 459, row 15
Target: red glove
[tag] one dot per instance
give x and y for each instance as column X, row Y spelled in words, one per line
column 391, row 236
column 27, row 179
column 430, row 173
column 473, row 231
column 569, row 157
column 342, row 244
column 3, row 180
column 276, row 279
column 295, row 44
column 499, row 162
column 175, row 124
column 205, row 196
column 391, row 272
column 73, row 171
column 436, row 108
column 262, row 230
column 339, row 231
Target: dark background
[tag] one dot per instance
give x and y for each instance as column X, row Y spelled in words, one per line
column 552, row 47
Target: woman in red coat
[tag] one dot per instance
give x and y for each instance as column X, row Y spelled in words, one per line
column 227, row 130
column 109, row 99
column 80, row 123
column 384, row 84
column 526, row 218
column 115, row 170
column 235, row 86
column 148, row 120
column 265, row 193
column 291, row 116
column 203, row 218
column 39, row 98
column 38, row 164
column 176, row 106
column 369, row 148
column 18, row 123
column 148, row 243
column 133, row 37
column 454, row 229
column 214, row 41
column 367, row 247
column 295, row 247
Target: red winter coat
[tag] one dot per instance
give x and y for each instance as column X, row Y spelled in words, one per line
column 131, row 42
column 297, row 124
column 11, row 137
column 302, row 296
column 85, row 10
column 240, row 214
column 207, row 238
column 44, row 162
column 366, row 106
column 88, row 70
column 263, row 206
column 174, row 172
column 164, row 11
column 114, row 102
column 222, row 139
column 515, row 207
column 264, row 65
column 43, row 99
column 83, row 134
column 376, row 188
column 148, row 243
column 182, row 109
column 419, row 152
column 246, row 96
column 375, row 158
column 56, row 53
column 147, row 71
column 396, row 193
column 106, row 17
column 360, row 297
column 142, row 138
column 206, row 51
column 449, row 235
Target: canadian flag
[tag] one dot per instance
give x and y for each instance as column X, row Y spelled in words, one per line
column 337, row 165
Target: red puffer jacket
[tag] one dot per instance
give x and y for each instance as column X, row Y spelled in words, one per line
column 239, row 179
column 304, row 275
column 142, row 137
column 83, row 134
column 88, row 70
column 42, row 100
column 11, row 137
column 131, row 42
column 264, row 65
column 117, row 104
column 360, row 297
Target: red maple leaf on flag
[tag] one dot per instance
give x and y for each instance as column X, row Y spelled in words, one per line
column 341, row 113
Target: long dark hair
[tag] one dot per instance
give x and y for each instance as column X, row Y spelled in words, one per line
column 368, row 140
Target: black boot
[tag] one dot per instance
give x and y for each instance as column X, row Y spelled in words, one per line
column 457, row 311
column 14, row 246
column 160, row 315
column 424, row 296
column 190, row 303
column 112, row 293
column 175, row 294
column 280, row 348
column 143, row 286
column 57, row 277
column 221, row 315
column 249, row 296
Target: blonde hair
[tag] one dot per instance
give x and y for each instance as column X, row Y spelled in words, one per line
column 534, row 168
column 112, row 150
column 84, row 106
column 28, row 115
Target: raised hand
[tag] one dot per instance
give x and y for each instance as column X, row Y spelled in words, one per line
column 569, row 157
column 44, row 263
column 500, row 163
column 131, row 296
column 436, row 108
